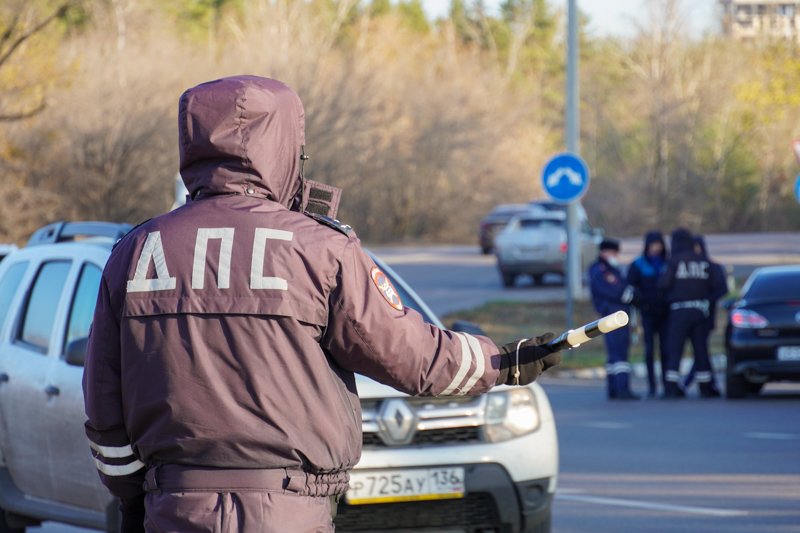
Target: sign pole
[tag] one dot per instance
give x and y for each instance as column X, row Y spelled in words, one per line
column 573, row 266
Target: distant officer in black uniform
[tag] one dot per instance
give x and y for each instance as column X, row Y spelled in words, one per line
column 610, row 294
column 688, row 283
column 644, row 275
column 719, row 290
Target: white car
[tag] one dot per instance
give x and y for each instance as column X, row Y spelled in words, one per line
column 6, row 249
column 486, row 463
column 535, row 243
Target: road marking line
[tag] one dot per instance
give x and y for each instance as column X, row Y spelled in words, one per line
column 618, row 502
column 607, row 425
column 771, row 436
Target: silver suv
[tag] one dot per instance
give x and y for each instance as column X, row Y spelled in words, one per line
column 485, row 463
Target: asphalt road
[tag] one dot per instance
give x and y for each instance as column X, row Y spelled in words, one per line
column 676, row 466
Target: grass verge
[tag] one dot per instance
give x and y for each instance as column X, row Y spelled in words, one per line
column 505, row 321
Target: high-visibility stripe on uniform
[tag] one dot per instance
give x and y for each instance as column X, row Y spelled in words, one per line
column 620, row 367
column 119, row 470
column 673, row 376
column 480, row 363
column 463, row 367
column 112, row 452
column 703, row 377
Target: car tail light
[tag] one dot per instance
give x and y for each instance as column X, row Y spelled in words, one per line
column 563, row 247
column 744, row 318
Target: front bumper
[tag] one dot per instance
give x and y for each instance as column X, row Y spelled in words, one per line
column 493, row 501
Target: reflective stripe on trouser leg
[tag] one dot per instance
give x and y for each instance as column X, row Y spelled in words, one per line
column 703, row 377
column 673, row 376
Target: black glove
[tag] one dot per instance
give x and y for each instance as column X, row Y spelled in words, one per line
column 132, row 514
column 534, row 358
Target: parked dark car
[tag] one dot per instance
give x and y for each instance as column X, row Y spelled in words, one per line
column 762, row 338
column 495, row 221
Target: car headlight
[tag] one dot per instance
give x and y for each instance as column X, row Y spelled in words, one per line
column 511, row 414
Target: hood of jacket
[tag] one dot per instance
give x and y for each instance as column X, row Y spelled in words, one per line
column 682, row 241
column 651, row 237
column 241, row 135
column 700, row 243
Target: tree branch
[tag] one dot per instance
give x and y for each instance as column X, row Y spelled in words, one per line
column 23, row 114
column 57, row 13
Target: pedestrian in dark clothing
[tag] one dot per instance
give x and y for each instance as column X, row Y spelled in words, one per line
column 219, row 381
column 643, row 275
column 610, row 294
column 719, row 290
column 689, row 285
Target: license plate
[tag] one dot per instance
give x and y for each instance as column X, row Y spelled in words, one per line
column 789, row 353
column 388, row 486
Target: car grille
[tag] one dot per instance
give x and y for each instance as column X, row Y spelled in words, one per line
column 448, row 420
column 474, row 512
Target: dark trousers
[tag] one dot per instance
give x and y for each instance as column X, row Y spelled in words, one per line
column 691, row 324
column 186, row 499
column 236, row 512
column 655, row 325
column 618, row 369
column 693, row 372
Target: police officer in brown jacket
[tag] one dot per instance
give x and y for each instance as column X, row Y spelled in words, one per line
column 219, row 380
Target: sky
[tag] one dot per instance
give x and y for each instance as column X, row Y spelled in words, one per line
column 613, row 17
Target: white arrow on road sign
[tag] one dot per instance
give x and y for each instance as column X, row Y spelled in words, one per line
column 554, row 179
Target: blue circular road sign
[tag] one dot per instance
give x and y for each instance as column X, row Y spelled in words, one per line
column 565, row 178
column 797, row 189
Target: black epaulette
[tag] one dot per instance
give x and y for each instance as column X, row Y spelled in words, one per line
column 129, row 232
column 331, row 223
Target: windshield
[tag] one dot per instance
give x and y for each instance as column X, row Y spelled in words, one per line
column 540, row 223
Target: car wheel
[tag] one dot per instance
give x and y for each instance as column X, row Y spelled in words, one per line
column 508, row 279
column 735, row 386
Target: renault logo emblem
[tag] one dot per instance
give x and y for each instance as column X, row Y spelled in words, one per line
column 397, row 422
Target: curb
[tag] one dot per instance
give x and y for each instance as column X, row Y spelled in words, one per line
column 718, row 364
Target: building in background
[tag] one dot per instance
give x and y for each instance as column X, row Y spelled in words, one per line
column 758, row 19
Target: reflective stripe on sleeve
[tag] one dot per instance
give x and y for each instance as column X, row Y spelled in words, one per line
column 480, row 363
column 112, row 452
column 463, row 367
column 119, row 470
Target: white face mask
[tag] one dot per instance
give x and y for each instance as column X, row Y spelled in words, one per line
column 613, row 261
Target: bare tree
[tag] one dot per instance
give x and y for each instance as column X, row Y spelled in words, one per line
column 23, row 25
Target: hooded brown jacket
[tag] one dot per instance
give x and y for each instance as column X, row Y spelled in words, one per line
column 227, row 332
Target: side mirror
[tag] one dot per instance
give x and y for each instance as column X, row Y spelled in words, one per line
column 76, row 352
column 462, row 326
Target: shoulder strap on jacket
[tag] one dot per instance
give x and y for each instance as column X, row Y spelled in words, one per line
column 330, row 222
